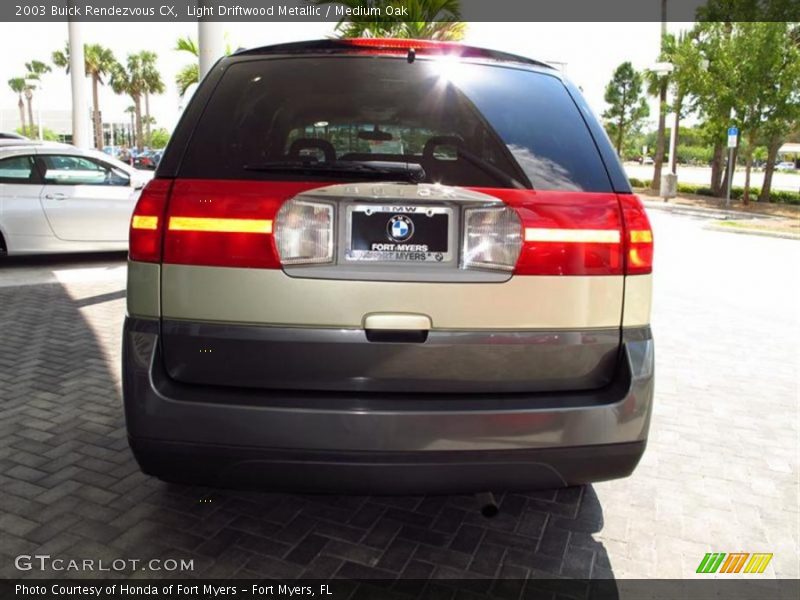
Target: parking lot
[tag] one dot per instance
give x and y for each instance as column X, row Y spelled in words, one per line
column 720, row 473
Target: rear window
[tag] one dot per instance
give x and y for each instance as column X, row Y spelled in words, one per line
column 465, row 124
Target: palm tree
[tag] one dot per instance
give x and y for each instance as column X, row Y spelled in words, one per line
column 427, row 19
column 131, row 79
column 131, row 110
column 148, row 122
column 190, row 74
column 17, row 85
column 98, row 63
column 33, row 72
column 153, row 85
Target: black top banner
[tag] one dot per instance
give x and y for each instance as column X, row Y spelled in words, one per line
column 396, row 10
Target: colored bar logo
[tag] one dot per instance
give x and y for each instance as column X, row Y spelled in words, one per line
column 736, row 562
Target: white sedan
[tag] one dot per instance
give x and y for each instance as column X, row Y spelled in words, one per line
column 58, row 198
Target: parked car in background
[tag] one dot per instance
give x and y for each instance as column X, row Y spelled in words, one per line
column 147, row 159
column 113, row 151
column 786, row 165
column 369, row 269
column 58, row 198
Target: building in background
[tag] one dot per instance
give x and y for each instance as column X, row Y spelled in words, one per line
column 116, row 132
column 790, row 152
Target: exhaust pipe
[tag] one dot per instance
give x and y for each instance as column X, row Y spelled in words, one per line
column 487, row 504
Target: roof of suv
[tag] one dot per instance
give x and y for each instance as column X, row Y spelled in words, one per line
column 390, row 46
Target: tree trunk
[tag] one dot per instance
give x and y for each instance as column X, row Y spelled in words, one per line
column 29, row 98
column 748, row 165
column 658, row 159
column 772, row 158
column 677, row 125
column 21, row 106
column 621, row 129
column 147, row 114
column 137, row 103
column 98, row 121
column 716, row 169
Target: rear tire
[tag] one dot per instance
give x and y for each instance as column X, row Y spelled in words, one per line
column 3, row 247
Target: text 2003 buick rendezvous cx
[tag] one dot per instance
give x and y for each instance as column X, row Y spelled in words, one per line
column 389, row 266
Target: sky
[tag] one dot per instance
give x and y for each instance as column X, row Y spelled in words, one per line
column 589, row 52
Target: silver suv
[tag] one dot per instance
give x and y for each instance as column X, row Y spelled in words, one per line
column 388, row 266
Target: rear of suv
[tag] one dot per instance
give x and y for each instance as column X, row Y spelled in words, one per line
column 388, row 266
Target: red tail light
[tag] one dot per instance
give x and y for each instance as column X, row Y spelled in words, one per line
column 567, row 233
column 638, row 236
column 147, row 223
column 231, row 224
column 581, row 233
column 403, row 44
column 226, row 223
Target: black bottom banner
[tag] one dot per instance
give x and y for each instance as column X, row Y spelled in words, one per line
column 402, row 589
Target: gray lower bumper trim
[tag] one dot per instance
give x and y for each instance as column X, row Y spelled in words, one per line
column 386, row 473
column 158, row 408
column 352, row 360
column 366, row 441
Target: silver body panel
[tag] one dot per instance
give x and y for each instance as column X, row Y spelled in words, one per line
column 271, row 297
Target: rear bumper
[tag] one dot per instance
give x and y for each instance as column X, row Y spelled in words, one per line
column 386, row 472
column 391, row 443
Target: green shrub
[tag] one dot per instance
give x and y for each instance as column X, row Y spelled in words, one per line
column 33, row 133
column 158, row 138
column 695, row 155
column 688, row 188
column 778, row 196
column 640, row 183
column 785, row 197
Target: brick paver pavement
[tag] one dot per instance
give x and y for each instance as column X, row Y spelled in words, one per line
column 720, row 473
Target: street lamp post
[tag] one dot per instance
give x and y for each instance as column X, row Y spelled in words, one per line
column 77, row 72
column 210, row 42
column 668, row 186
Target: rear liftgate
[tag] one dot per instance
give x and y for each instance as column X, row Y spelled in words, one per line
column 390, row 287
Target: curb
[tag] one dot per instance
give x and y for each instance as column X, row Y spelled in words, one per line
column 758, row 232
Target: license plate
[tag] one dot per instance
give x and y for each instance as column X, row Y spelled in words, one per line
column 399, row 233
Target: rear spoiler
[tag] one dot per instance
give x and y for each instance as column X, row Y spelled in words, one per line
column 389, row 46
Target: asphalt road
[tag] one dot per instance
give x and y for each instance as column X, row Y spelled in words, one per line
column 720, row 473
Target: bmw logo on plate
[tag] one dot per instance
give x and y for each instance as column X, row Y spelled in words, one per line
column 400, row 228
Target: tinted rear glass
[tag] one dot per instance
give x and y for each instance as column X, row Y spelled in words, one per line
column 466, row 124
